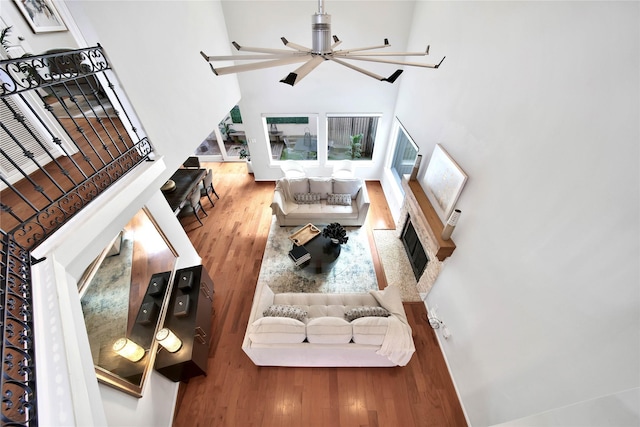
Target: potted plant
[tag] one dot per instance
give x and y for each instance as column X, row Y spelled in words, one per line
column 4, row 38
column 336, row 233
column 246, row 155
column 226, row 128
column 356, row 145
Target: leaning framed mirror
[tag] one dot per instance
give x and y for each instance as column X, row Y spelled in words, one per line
column 123, row 294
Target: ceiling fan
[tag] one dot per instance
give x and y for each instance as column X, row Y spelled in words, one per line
column 322, row 50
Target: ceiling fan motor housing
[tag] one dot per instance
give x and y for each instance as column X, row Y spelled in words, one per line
column 321, row 33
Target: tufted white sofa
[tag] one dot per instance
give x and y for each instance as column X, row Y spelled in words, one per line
column 289, row 212
column 324, row 337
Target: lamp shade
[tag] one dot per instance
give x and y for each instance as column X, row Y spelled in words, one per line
column 128, row 349
column 168, row 340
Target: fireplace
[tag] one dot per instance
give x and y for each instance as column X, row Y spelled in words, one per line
column 421, row 235
column 417, row 255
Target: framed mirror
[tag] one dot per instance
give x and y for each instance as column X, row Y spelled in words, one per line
column 124, row 293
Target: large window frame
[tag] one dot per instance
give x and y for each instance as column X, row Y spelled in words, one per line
column 292, row 136
column 343, row 129
column 405, row 152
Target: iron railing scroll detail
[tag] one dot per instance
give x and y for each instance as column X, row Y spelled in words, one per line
column 18, row 381
column 65, row 138
column 53, row 69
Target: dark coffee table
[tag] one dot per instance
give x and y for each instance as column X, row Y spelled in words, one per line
column 323, row 255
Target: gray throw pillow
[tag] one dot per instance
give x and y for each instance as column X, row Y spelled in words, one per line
column 297, row 185
column 347, row 185
column 365, row 311
column 285, row 311
column 306, row 198
column 339, row 199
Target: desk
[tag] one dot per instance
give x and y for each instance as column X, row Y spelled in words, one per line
column 186, row 180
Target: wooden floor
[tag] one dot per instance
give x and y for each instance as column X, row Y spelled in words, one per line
column 237, row 393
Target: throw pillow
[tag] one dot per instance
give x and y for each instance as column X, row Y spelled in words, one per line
column 339, row 199
column 297, row 185
column 306, row 198
column 321, row 185
column 350, row 186
column 285, row 311
column 357, row 312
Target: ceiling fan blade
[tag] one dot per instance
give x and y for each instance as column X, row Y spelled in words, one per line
column 392, row 78
column 297, row 47
column 247, row 57
column 388, row 61
column 302, row 71
column 336, row 42
column 259, row 65
column 258, row 49
column 359, row 49
column 345, row 53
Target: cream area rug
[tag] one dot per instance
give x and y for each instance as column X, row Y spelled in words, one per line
column 352, row 272
column 396, row 264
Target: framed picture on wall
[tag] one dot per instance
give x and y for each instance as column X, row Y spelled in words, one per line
column 41, row 15
column 444, row 180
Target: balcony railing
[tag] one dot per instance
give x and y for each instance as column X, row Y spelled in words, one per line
column 18, row 381
column 65, row 138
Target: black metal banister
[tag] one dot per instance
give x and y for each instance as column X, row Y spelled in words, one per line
column 71, row 93
column 31, row 72
column 43, row 193
column 18, row 381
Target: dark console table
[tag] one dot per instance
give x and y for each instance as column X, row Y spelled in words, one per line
column 191, row 325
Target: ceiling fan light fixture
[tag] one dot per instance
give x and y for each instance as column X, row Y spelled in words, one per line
column 322, row 48
column 321, row 33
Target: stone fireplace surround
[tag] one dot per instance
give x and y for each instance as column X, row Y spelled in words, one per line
column 417, row 208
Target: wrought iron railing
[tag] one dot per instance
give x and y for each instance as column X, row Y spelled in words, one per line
column 65, row 137
column 18, row 381
column 65, row 148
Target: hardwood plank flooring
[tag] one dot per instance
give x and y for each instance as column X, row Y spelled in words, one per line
column 237, row 393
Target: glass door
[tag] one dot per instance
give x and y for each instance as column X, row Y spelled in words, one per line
column 226, row 141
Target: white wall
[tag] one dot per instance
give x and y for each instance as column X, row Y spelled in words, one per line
column 330, row 88
column 539, row 104
column 155, row 50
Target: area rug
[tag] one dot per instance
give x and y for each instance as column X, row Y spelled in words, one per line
column 352, row 272
column 396, row 265
column 105, row 304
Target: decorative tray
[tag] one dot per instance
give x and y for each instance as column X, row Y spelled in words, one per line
column 306, row 233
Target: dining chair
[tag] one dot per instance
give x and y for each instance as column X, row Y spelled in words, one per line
column 195, row 205
column 207, row 189
column 343, row 169
column 292, row 169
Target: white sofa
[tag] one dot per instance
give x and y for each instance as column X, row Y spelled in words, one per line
column 324, row 337
column 317, row 207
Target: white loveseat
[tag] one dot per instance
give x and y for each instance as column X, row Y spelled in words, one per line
column 325, row 337
column 314, row 201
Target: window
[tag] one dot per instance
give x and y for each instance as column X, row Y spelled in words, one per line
column 351, row 137
column 292, row 137
column 404, row 155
